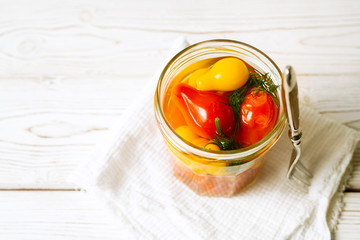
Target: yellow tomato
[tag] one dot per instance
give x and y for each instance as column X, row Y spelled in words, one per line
column 201, row 142
column 227, row 74
column 205, row 143
column 217, row 169
column 212, row 146
column 196, row 75
column 197, row 164
column 186, row 133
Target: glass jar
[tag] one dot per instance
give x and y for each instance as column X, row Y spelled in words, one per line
column 216, row 173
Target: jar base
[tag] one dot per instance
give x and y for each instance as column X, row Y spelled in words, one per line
column 211, row 185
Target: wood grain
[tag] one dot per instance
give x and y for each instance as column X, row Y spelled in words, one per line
column 67, row 75
column 44, row 136
column 349, row 224
column 56, row 215
column 92, row 39
column 354, row 181
column 76, row 215
column 68, row 70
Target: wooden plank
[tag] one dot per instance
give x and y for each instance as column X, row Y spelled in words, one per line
column 44, row 136
column 354, row 181
column 93, row 39
column 68, row 69
column 349, row 222
column 67, row 75
column 75, row 215
column 56, row 215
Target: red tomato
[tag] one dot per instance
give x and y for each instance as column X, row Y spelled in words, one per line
column 258, row 116
column 200, row 108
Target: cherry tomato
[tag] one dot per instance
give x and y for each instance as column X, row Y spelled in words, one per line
column 258, row 116
column 227, row 74
column 200, row 108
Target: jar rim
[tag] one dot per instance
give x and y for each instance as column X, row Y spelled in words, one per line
column 168, row 130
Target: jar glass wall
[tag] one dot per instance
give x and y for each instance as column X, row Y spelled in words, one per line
column 215, row 173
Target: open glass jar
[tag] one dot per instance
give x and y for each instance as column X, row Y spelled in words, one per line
column 207, row 172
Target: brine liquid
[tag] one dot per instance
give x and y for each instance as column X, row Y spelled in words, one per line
column 210, row 179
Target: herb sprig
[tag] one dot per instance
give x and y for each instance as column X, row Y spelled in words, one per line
column 264, row 82
column 223, row 141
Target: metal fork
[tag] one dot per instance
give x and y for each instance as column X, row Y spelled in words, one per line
column 298, row 175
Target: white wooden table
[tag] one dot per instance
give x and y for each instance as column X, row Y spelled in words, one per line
column 68, row 69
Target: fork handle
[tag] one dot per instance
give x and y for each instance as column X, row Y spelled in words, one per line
column 295, row 137
column 290, row 95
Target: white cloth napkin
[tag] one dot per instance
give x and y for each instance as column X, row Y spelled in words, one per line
column 133, row 176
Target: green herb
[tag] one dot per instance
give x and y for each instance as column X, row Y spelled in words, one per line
column 223, row 141
column 230, row 164
column 264, row 83
column 236, row 98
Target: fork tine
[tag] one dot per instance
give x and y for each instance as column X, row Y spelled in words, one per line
column 298, row 184
column 299, row 175
column 303, row 169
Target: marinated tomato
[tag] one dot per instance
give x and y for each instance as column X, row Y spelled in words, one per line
column 258, row 114
column 201, row 108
